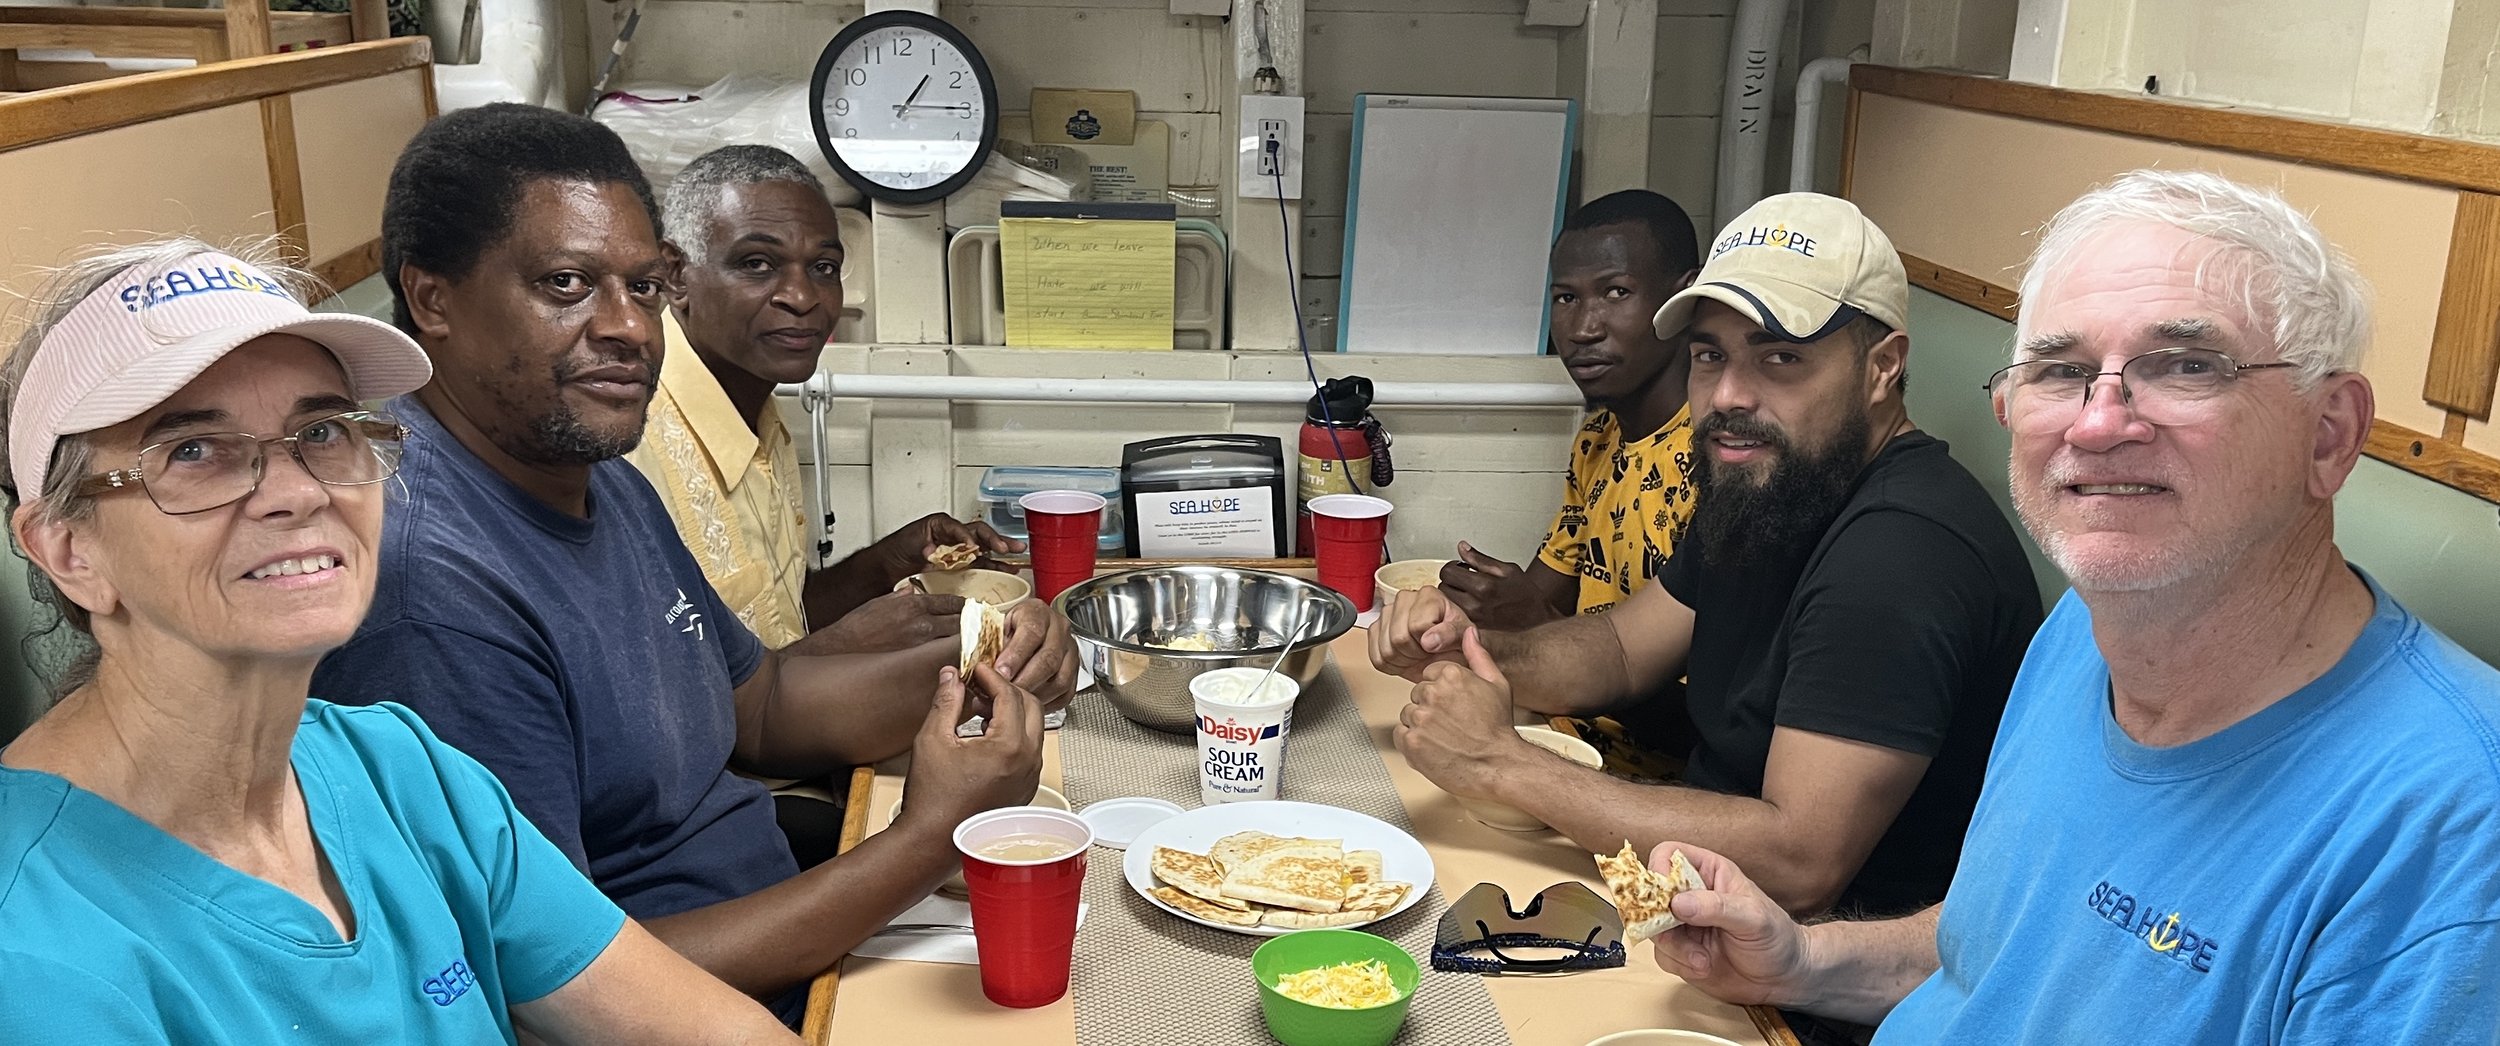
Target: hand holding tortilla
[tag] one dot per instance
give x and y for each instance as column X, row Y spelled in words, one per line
column 1642, row 894
column 984, row 632
column 958, row 556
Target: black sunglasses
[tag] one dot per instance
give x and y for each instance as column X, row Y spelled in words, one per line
column 1565, row 927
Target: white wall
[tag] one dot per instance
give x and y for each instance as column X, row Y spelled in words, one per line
column 2425, row 66
column 1491, row 476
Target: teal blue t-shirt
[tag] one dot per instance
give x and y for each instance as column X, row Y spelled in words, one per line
column 2325, row 871
column 112, row 930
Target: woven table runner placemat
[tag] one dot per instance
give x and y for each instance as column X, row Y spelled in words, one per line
column 1143, row 976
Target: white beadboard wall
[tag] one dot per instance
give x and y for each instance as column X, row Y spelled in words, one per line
column 1488, row 475
column 1491, row 476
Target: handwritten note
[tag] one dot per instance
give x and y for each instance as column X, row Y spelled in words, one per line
column 1081, row 283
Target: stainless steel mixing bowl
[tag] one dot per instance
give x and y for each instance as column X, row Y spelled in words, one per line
column 1124, row 618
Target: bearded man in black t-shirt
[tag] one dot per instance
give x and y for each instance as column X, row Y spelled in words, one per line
column 1849, row 607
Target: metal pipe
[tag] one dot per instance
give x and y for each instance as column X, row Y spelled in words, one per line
column 1817, row 75
column 1753, row 57
column 1157, row 390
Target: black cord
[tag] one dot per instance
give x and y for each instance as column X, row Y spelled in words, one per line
column 1302, row 337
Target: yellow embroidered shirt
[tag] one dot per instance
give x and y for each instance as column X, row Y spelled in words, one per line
column 1624, row 507
column 733, row 493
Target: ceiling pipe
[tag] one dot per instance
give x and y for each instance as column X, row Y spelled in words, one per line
column 1812, row 83
column 1161, row 390
column 1753, row 50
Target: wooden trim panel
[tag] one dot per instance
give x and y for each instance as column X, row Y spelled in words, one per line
column 2412, row 157
column 347, row 269
column 1773, row 1027
column 2465, row 346
column 817, row 1026
column 70, row 111
column 2440, row 460
column 2435, row 459
column 1969, row 290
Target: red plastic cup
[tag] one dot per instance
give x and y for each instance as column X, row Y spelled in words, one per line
column 1351, row 532
column 1024, row 909
column 1064, row 525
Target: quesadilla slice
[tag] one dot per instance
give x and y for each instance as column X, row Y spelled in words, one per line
column 954, row 557
column 1307, row 875
column 1213, row 913
column 1194, row 874
column 1289, row 919
column 1377, row 898
column 1643, row 895
column 984, row 636
column 1361, row 866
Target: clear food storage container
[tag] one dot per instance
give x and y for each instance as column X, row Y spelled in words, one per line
column 1003, row 484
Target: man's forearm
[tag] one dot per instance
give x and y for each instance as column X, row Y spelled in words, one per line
column 839, row 589
column 1861, row 970
column 772, row 940
column 1602, row 812
column 842, row 710
column 1568, row 667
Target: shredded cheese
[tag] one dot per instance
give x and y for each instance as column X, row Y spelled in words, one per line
column 1345, row 986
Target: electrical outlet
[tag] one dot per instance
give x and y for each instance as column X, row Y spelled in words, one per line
column 1271, row 147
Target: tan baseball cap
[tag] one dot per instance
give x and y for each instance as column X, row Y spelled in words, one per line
column 144, row 334
column 1800, row 264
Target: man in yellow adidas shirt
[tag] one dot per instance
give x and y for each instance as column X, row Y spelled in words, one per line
column 1620, row 257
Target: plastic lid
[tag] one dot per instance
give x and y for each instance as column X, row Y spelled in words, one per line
column 1348, row 399
column 1118, row 822
column 1009, row 482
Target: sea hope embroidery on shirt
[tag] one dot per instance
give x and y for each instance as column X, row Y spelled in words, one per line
column 2162, row 930
column 448, row 986
column 683, row 614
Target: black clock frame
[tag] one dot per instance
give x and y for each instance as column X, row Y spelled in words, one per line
column 980, row 73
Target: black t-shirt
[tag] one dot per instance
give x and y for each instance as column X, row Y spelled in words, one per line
column 1902, row 628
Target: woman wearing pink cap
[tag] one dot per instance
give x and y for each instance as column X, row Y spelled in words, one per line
column 192, row 849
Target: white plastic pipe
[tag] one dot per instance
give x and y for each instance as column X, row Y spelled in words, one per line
column 1818, row 74
column 1159, row 390
column 1753, row 51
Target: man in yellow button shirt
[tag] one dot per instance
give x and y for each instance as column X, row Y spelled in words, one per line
column 758, row 289
column 1619, row 258
column 756, row 276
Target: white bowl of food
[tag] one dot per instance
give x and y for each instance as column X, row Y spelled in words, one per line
column 1405, row 575
column 954, row 884
column 996, row 588
column 1510, row 818
column 1661, row 1037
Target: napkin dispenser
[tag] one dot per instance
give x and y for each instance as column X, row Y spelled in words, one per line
column 1216, row 496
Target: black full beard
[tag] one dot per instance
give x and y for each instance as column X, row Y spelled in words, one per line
column 1741, row 525
column 560, row 438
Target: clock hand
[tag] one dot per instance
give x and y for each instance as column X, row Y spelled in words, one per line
column 950, row 108
column 915, row 96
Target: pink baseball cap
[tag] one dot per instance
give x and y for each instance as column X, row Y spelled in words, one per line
column 143, row 335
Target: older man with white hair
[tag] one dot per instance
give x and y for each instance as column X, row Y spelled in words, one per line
column 2240, row 794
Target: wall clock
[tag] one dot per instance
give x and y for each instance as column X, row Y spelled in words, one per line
column 904, row 107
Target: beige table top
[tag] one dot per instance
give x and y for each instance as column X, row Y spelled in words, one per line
column 939, row 1004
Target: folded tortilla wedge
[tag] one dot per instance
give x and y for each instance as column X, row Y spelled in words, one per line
column 984, row 636
column 1642, row 895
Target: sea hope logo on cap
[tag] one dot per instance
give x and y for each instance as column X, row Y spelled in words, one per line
column 198, row 279
column 1777, row 236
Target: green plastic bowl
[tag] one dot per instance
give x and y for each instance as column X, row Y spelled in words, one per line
column 1297, row 1023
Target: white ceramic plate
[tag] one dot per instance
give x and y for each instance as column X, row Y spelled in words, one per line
column 1402, row 859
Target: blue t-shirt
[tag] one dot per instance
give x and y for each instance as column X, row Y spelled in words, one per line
column 585, row 661
column 2325, row 871
column 112, row 930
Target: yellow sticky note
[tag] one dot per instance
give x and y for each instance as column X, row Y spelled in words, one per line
column 1083, row 283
